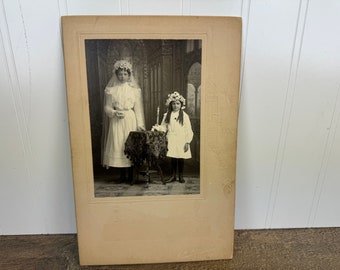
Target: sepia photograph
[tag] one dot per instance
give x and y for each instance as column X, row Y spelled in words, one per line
column 144, row 104
column 152, row 106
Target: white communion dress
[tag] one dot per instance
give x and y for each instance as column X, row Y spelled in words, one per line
column 178, row 135
column 128, row 100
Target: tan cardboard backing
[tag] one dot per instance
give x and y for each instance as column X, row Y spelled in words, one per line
column 152, row 229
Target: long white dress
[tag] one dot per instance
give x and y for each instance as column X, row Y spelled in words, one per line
column 178, row 135
column 127, row 100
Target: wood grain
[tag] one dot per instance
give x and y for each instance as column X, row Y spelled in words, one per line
column 258, row 249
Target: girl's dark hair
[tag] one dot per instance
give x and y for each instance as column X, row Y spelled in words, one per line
column 123, row 69
column 168, row 114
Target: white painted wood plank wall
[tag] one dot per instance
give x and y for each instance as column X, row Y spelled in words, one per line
column 289, row 133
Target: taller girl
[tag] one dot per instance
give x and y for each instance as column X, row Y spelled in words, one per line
column 124, row 108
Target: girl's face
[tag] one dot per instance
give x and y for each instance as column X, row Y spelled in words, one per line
column 123, row 76
column 176, row 105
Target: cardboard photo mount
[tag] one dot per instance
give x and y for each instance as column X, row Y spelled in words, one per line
column 169, row 228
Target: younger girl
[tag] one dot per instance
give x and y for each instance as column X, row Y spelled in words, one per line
column 179, row 134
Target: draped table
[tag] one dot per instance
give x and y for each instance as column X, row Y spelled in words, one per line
column 147, row 147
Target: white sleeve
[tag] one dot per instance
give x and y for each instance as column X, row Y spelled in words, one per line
column 108, row 109
column 187, row 128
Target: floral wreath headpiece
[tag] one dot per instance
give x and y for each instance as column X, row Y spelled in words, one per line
column 122, row 64
column 174, row 96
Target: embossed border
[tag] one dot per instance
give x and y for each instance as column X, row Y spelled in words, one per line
column 159, row 228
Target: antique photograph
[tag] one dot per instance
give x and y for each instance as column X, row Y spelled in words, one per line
column 144, row 104
column 152, row 106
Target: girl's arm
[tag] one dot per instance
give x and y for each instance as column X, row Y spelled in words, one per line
column 187, row 128
column 109, row 111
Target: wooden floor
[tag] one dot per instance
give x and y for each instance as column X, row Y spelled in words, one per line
column 259, row 249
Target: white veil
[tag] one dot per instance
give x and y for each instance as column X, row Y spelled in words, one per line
column 114, row 81
column 123, row 65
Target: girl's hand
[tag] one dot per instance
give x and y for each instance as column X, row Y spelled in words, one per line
column 110, row 113
column 119, row 114
column 158, row 128
column 186, row 147
column 140, row 128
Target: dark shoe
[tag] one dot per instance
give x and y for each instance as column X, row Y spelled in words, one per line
column 171, row 179
column 181, row 179
column 122, row 177
column 122, row 180
column 130, row 176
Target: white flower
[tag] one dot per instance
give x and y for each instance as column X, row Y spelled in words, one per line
column 174, row 96
column 122, row 64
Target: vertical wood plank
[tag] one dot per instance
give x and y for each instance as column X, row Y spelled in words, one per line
column 240, row 189
column 124, row 7
column 155, row 7
column 325, row 169
column 186, row 7
column 62, row 6
column 270, row 43
column 93, row 7
column 307, row 141
column 15, row 144
column 289, row 99
column 216, row 7
column 325, row 211
column 327, row 196
column 36, row 54
column 245, row 13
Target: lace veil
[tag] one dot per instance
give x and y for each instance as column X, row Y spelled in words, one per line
column 122, row 64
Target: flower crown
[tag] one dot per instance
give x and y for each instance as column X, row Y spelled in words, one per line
column 122, row 64
column 174, row 96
